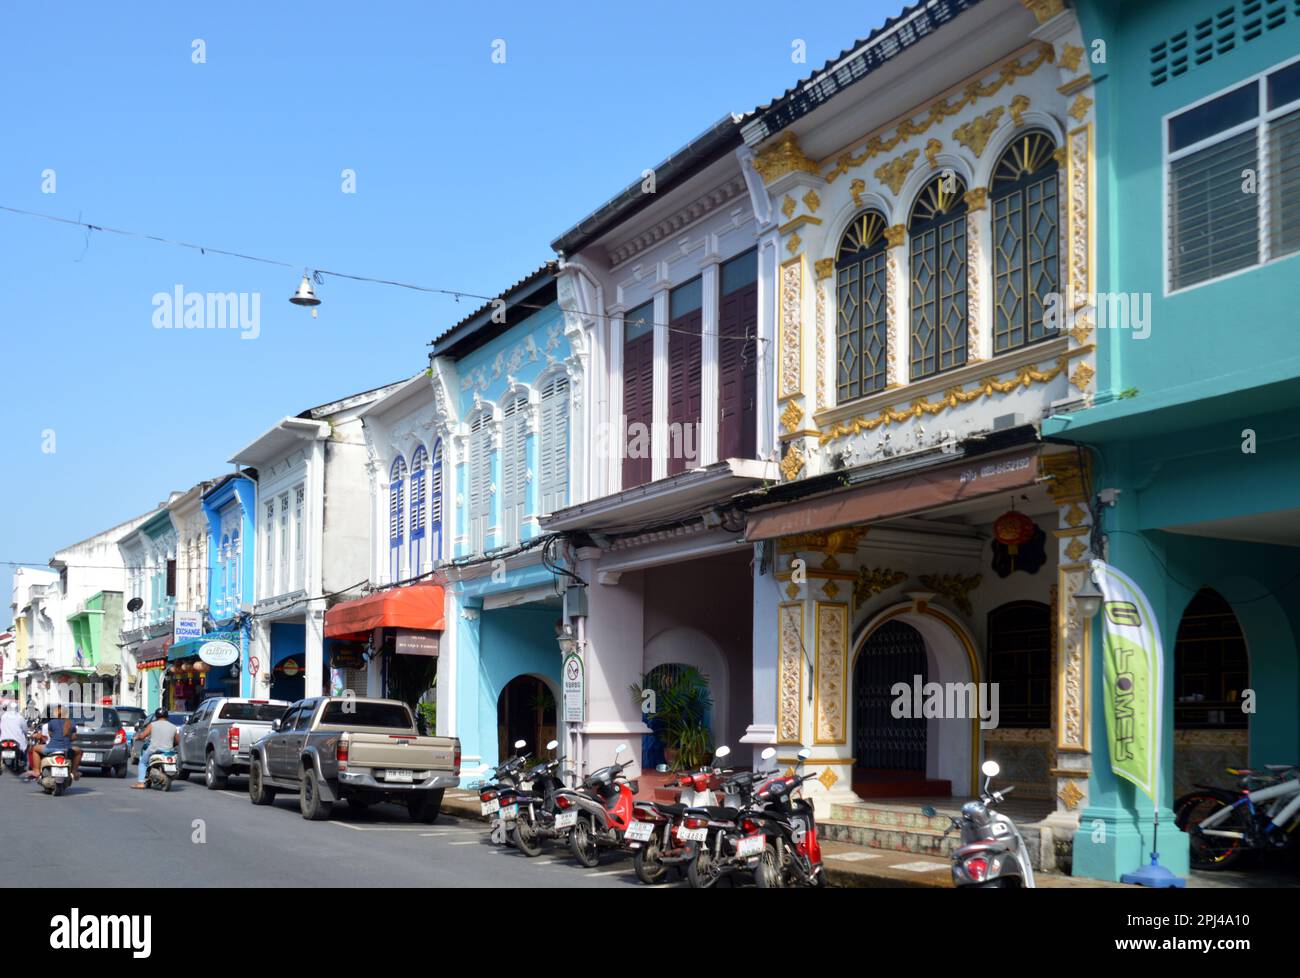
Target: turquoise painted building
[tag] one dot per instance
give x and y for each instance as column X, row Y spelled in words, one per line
column 512, row 377
column 1196, row 414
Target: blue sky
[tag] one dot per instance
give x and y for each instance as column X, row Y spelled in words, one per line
column 465, row 171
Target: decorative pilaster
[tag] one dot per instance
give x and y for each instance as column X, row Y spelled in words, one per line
column 897, row 309
column 789, row 692
column 832, row 667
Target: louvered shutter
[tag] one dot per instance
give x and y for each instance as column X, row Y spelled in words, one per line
column 480, row 479
column 514, row 468
column 638, row 404
column 737, row 374
column 435, row 503
column 553, row 445
column 1214, row 227
column 684, row 364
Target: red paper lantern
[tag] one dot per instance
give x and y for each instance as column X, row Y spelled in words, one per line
column 1013, row 530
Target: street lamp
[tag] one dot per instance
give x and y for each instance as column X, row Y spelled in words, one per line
column 305, row 296
column 1088, row 598
column 568, row 642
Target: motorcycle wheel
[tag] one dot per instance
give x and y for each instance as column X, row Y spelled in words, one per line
column 525, row 838
column 649, row 864
column 582, row 843
column 59, row 788
column 167, row 783
column 703, row 871
column 1212, row 852
column 770, row 874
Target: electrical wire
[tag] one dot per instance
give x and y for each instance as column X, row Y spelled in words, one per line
column 316, row 273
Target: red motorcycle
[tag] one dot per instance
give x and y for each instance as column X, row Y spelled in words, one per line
column 597, row 816
column 791, row 855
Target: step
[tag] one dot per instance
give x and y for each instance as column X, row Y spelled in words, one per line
column 894, row 829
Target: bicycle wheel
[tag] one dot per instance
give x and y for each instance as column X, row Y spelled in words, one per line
column 1213, row 851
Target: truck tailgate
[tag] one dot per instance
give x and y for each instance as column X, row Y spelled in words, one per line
column 405, row 751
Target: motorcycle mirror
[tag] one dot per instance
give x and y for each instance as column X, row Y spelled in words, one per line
column 768, row 753
column 722, row 751
column 928, row 811
column 661, row 768
column 804, row 754
column 552, row 745
column 990, row 769
column 520, row 744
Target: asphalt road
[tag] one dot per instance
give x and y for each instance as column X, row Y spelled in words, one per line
column 101, row 833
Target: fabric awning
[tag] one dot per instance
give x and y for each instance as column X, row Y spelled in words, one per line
column 155, row 648
column 898, row 496
column 419, row 606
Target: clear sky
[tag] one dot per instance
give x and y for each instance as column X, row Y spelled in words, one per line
column 465, row 170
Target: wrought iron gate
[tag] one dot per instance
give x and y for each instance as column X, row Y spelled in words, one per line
column 894, row 653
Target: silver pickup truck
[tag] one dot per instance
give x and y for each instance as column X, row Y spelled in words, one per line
column 342, row 748
column 216, row 737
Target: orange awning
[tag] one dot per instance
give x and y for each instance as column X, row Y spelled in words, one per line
column 419, row 606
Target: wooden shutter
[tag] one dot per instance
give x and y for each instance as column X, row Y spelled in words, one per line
column 171, row 578
column 480, row 483
column 514, row 468
column 684, row 365
column 638, row 403
column 553, row 445
column 738, row 374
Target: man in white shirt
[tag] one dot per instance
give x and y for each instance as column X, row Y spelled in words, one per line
column 13, row 727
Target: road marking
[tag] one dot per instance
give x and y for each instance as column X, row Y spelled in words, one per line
column 608, row 872
column 920, row 867
column 471, row 842
column 853, row 857
column 376, row 828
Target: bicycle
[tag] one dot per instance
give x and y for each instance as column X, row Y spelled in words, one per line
column 1224, row 825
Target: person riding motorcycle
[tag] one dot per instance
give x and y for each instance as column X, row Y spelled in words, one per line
column 60, row 733
column 159, row 734
column 14, row 727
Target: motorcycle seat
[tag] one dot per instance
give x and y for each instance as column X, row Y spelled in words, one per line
column 668, row 809
column 719, row 813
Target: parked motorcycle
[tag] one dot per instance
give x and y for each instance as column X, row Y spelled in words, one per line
column 502, row 779
column 162, row 770
column 12, row 756
column 790, row 854
column 597, row 816
column 654, row 833
column 992, row 852
column 532, row 810
column 56, row 772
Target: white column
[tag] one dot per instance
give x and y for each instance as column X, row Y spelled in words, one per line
column 707, row 437
column 659, row 427
column 313, row 569
column 761, row 731
column 610, row 448
column 768, row 288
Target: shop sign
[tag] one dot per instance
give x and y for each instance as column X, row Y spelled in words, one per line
column 574, row 675
column 347, row 657
column 289, row 668
column 410, row 641
column 187, row 626
column 219, row 653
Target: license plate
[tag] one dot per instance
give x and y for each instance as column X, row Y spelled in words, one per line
column 692, row 835
column 750, row 845
column 169, row 768
column 92, row 756
column 394, row 775
column 58, row 773
column 509, row 812
column 491, row 807
column 7, row 755
column 639, row 831
column 566, row 820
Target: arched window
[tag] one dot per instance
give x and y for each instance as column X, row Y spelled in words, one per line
column 396, row 483
column 861, row 287
column 553, row 445
column 514, row 467
column 1211, row 668
column 1026, row 264
column 480, row 480
column 1020, row 663
column 418, row 510
column 435, row 502
column 937, row 231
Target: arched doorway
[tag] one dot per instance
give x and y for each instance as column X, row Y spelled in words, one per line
column 1211, row 673
column 525, row 711
column 682, row 719
column 890, row 751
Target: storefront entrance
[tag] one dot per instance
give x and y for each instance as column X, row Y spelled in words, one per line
column 525, row 711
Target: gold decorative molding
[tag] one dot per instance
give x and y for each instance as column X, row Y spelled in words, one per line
column 875, row 580
column 944, row 108
column 1074, row 515
column 1076, row 549
column 792, row 416
column 831, row 658
column 895, row 234
column 1026, row 376
column 787, row 206
column 1073, row 669
column 790, row 352
column 793, row 463
column 798, row 222
column 976, row 198
column 1079, row 107
column 793, row 244
column 1082, row 329
column 782, row 157
column 932, row 150
column 1071, row 794
column 824, row 267
column 856, row 189
column 974, row 133
column 812, row 201
column 955, row 587
column 1017, row 109
column 974, row 263
column 830, row 589
column 1081, row 377
column 1060, row 154
column 1068, row 483
column 893, row 173
column 819, row 326
column 828, row 778
column 842, row 541
column 792, row 589
column 1074, row 85
column 1079, row 232
column 1044, row 10
column 790, row 668
column 1070, row 57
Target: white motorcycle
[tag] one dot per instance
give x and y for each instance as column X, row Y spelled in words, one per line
column 162, row 770
column 992, row 852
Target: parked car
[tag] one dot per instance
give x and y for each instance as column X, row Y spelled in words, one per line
column 217, row 737
column 131, row 721
column 100, row 736
column 342, row 748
